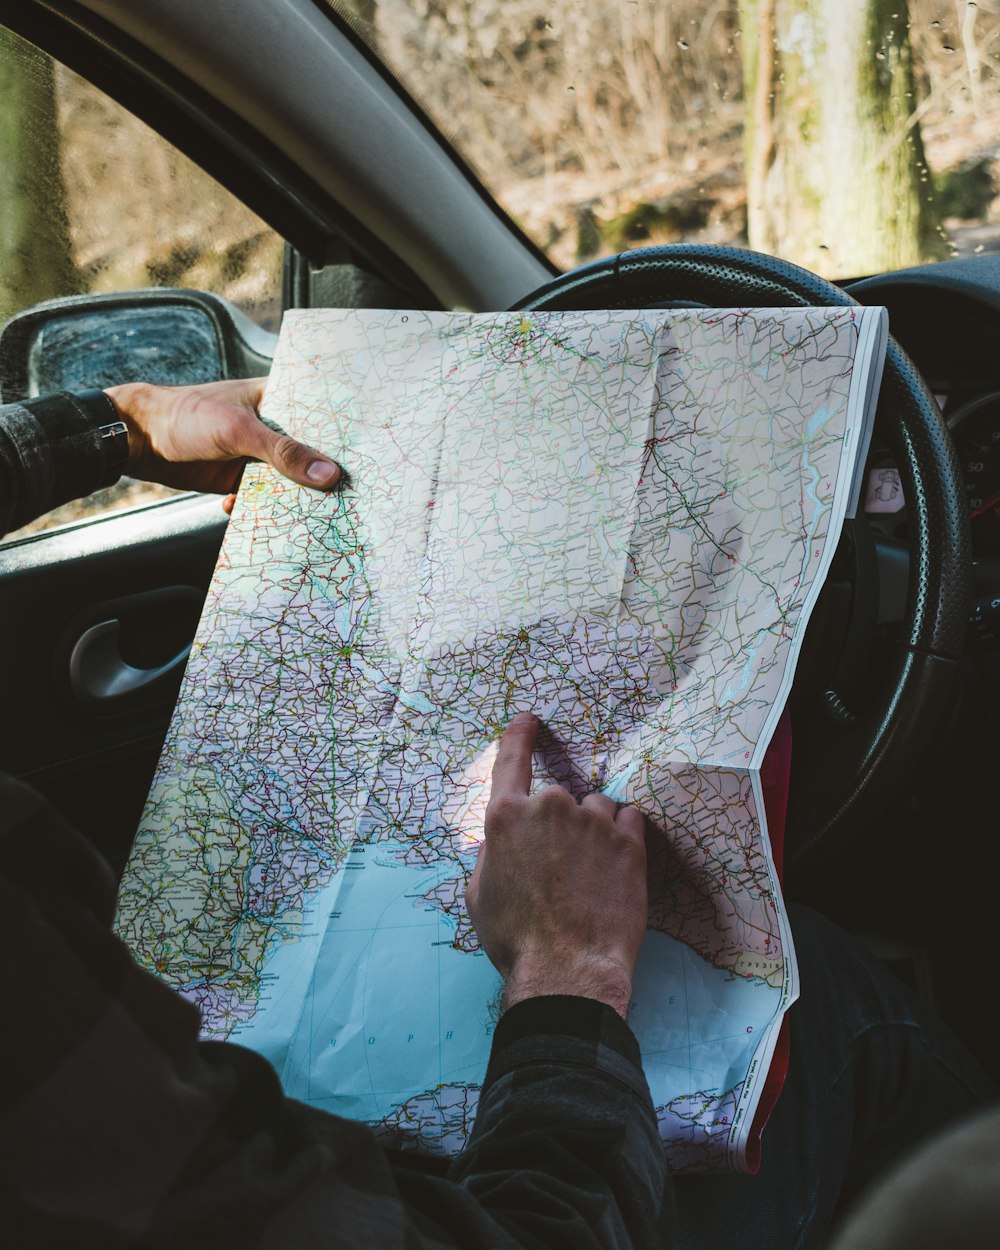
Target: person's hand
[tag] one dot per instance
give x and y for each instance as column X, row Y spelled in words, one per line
column 558, row 894
column 201, row 437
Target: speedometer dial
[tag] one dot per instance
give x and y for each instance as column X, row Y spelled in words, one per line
column 976, row 430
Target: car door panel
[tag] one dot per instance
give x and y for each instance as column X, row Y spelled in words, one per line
column 380, row 240
column 148, row 570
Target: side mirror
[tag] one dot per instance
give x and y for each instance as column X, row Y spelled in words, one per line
column 170, row 337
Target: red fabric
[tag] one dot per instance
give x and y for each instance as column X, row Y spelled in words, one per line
column 774, row 777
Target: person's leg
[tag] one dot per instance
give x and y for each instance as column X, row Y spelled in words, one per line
column 871, row 1072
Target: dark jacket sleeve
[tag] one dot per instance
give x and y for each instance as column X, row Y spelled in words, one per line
column 566, row 1137
column 50, row 453
column 119, row 1128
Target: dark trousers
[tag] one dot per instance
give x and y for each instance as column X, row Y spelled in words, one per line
column 872, row 1072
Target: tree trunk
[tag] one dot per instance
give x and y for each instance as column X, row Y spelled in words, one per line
column 836, row 175
column 36, row 259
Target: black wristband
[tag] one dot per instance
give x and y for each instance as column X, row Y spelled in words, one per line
column 111, row 428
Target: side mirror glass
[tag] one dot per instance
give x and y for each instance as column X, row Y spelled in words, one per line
column 168, row 337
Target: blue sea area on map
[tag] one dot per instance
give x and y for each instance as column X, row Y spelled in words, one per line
column 379, row 1004
column 698, row 1026
column 374, row 1005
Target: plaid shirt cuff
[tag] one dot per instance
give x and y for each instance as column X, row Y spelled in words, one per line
column 565, row 1029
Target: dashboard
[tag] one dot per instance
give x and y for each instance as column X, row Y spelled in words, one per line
column 975, row 427
column 947, row 319
column 974, row 422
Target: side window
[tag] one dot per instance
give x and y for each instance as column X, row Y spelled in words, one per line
column 92, row 200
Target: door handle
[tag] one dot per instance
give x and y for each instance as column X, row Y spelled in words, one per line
column 99, row 676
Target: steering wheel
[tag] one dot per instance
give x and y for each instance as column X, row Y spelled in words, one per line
column 846, row 768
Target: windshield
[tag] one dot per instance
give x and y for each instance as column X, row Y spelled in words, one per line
column 848, row 136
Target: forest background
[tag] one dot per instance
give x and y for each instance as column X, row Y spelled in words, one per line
column 599, row 125
column 849, row 136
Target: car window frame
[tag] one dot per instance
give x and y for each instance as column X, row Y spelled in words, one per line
column 215, row 138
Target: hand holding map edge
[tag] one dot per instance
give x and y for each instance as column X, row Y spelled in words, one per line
column 558, row 894
column 201, row 437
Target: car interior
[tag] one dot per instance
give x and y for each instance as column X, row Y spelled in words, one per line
column 890, row 822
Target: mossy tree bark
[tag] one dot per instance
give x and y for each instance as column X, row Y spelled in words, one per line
column 36, row 260
column 837, row 180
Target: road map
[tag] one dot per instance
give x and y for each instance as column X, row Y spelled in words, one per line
column 617, row 520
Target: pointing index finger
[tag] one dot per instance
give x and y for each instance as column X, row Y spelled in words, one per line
column 512, row 768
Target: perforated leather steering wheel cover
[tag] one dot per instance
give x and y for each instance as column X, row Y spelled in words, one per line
column 890, row 739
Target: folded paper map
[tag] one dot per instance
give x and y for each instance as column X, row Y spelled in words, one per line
column 617, row 520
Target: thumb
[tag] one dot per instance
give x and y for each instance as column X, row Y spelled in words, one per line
column 302, row 464
column 473, row 886
column 295, row 460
